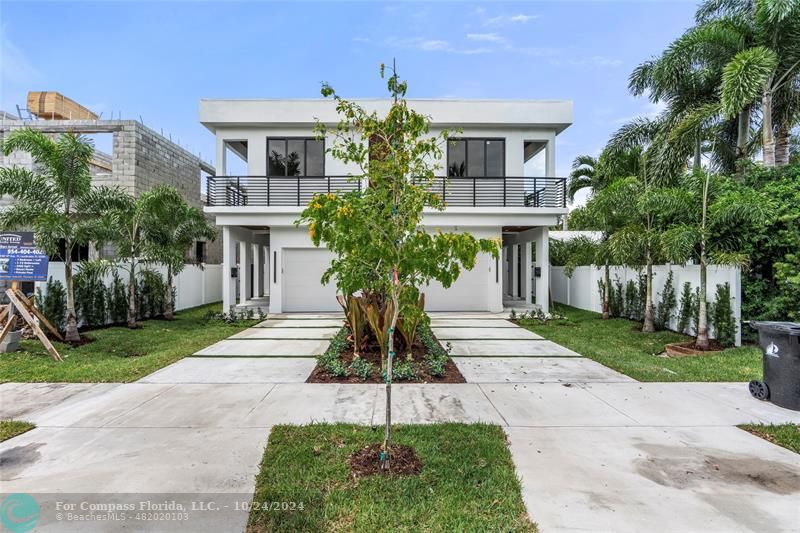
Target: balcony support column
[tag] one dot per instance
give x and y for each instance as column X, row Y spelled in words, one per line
column 257, row 268
column 513, row 290
column 245, row 260
column 228, row 262
column 526, row 286
column 542, row 243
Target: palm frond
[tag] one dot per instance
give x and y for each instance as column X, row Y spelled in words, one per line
column 678, row 243
column 744, row 78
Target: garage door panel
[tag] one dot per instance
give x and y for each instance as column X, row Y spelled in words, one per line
column 468, row 293
column 302, row 289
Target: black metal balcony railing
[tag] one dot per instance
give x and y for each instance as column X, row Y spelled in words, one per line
column 456, row 192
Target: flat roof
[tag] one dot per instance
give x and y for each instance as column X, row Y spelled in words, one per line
column 550, row 114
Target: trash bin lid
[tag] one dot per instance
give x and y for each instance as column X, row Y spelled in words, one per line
column 785, row 328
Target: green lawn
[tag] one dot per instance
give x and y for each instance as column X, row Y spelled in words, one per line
column 617, row 344
column 467, row 483
column 119, row 354
column 12, row 428
column 786, row 435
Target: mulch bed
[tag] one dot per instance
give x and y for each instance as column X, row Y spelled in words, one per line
column 688, row 349
column 403, row 461
column 372, row 354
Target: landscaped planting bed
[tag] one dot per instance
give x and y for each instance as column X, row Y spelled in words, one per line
column 619, row 343
column 464, row 480
column 428, row 362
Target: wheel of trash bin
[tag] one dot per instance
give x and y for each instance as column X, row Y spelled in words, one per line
column 759, row 390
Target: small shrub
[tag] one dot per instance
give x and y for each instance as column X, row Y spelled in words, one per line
column 616, row 303
column 404, row 371
column 91, row 297
column 151, row 294
column 685, row 313
column 234, row 317
column 435, row 356
column 630, row 300
column 721, row 316
column 361, row 368
column 117, row 300
column 331, row 361
column 666, row 305
column 53, row 303
column 601, row 291
column 513, row 316
column 641, row 297
column 537, row 315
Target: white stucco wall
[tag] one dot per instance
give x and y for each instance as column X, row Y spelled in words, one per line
column 193, row 285
column 581, row 289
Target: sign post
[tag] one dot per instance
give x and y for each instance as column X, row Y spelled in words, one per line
column 20, row 260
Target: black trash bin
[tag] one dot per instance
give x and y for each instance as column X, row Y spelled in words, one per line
column 780, row 342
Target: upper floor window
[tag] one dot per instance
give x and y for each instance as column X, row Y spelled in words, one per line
column 476, row 158
column 293, row 156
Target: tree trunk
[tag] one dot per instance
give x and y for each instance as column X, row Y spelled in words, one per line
column 649, row 325
column 767, row 135
column 698, row 153
column 387, row 433
column 782, row 138
column 742, row 134
column 606, row 292
column 702, row 315
column 169, row 311
column 70, row 318
column 132, row 296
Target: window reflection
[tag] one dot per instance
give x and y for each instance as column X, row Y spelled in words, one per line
column 296, row 157
column 476, row 158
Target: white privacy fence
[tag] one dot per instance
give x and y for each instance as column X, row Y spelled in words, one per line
column 582, row 289
column 193, row 286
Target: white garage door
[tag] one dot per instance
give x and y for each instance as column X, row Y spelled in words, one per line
column 302, row 289
column 468, row 293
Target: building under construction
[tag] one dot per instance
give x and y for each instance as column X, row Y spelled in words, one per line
column 139, row 160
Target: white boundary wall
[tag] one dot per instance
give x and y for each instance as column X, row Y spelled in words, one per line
column 193, row 286
column 581, row 290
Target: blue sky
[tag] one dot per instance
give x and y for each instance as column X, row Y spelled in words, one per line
column 155, row 60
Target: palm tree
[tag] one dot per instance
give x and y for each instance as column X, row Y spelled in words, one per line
column 765, row 70
column 129, row 224
column 638, row 241
column 56, row 200
column 596, row 173
column 178, row 226
column 601, row 213
column 707, row 208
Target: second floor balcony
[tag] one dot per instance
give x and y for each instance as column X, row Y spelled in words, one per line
column 267, row 191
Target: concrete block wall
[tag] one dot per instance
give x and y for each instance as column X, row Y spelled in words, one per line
column 141, row 160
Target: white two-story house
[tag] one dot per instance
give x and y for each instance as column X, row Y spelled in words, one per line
column 488, row 188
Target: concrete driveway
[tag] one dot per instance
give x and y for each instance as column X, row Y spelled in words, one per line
column 595, row 450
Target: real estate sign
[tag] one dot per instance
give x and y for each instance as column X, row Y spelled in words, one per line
column 20, row 260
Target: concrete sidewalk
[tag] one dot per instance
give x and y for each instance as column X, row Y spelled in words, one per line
column 595, row 450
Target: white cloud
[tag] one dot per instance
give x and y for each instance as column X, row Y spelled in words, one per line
column 486, row 37
column 359, row 39
column 434, row 45
column 501, row 20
